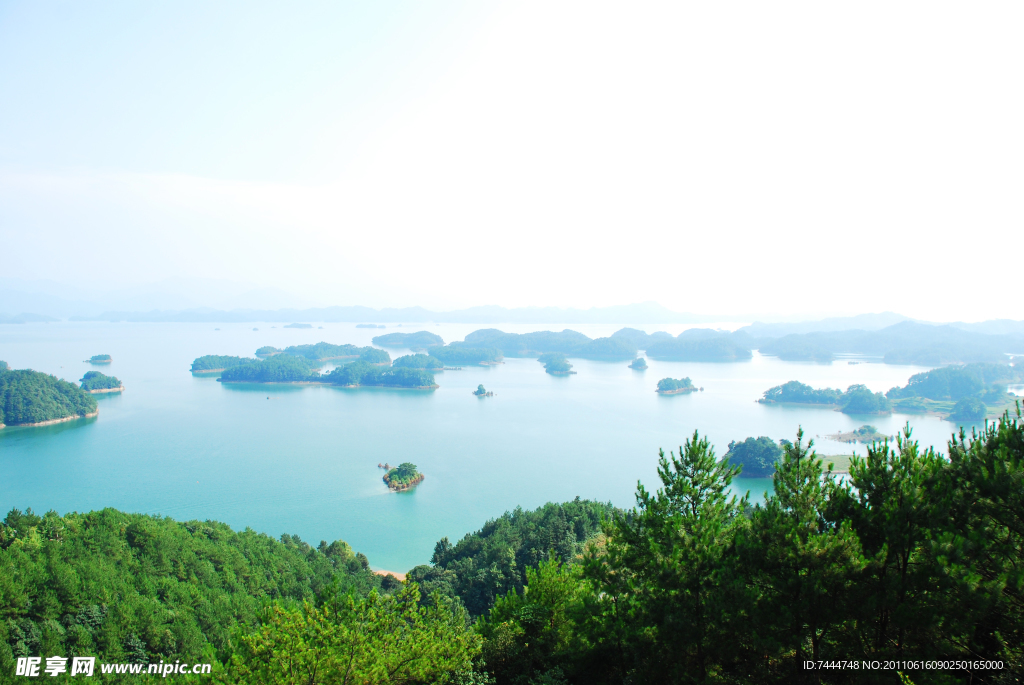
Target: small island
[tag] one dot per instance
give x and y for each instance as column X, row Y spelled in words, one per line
column 267, row 351
column 639, row 364
column 556, row 364
column 298, row 325
column 96, row 383
column 401, row 477
column 865, row 434
column 481, row 391
column 100, row 359
column 31, row 398
column 672, row 386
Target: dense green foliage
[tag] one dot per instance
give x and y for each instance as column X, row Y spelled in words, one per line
column 281, row 368
column 403, row 474
column 28, row 396
column 902, row 343
column 418, row 361
column 565, row 342
column 3, row 365
column 795, row 391
column 957, row 382
column 452, row 354
column 756, row 456
column 858, row 399
column 640, row 364
column 969, row 409
column 915, row 558
column 701, row 345
column 100, row 358
column 94, row 380
column 323, row 351
column 371, row 355
column 674, row 384
column 267, row 351
column 210, row 362
column 411, row 340
column 361, row 373
column 373, row 639
column 480, row 390
column 493, row 560
column 555, row 363
column 129, row 587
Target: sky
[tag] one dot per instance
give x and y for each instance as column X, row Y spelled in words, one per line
column 718, row 158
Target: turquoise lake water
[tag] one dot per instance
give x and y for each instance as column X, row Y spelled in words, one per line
column 303, row 460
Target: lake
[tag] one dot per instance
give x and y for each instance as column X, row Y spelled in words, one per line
column 303, row 460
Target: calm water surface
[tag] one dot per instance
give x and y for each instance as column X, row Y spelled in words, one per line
column 303, row 460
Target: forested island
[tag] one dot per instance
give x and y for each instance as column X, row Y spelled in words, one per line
column 556, row 364
column 639, row 364
column 284, row 368
column 215, row 363
column 481, row 391
column 858, row 399
column 267, row 351
column 403, row 477
column 689, row 581
column 322, row 351
column 95, row 383
column 100, row 359
column 865, row 434
column 31, row 398
column 420, row 339
column 673, row 386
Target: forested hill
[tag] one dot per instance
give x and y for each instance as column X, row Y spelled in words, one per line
column 130, row 587
column 28, row 397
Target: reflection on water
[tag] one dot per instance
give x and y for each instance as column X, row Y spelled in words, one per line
column 305, row 460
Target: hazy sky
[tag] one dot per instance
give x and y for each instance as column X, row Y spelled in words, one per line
column 717, row 157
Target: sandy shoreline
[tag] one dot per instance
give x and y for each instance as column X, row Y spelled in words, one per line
column 393, row 387
column 53, row 421
column 101, row 391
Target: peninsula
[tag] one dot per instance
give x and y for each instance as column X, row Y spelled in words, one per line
column 215, row 363
column 858, row 399
column 31, row 398
column 402, row 477
column 95, row 383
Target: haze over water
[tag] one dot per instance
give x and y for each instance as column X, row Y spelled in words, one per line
column 303, row 460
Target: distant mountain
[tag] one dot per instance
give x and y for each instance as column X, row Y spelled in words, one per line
column 25, row 318
column 907, row 342
column 648, row 313
column 861, row 322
